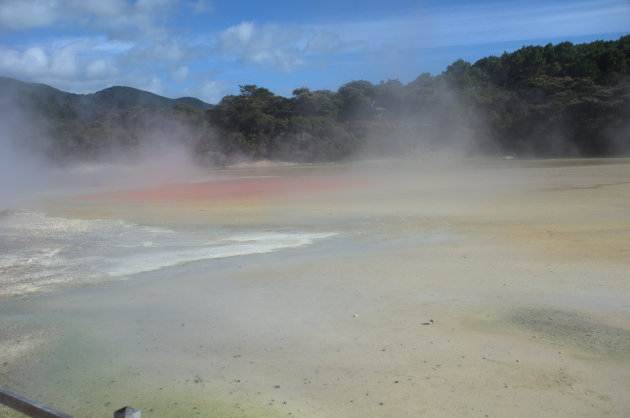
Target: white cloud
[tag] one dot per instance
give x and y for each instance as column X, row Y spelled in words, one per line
column 167, row 52
column 65, row 61
column 69, row 60
column 202, row 6
column 180, row 74
column 33, row 58
column 66, row 65
column 100, row 69
column 32, row 62
column 119, row 18
column 269, row 45
column 208, row 89
column 152, row 5
column 98, row 8
column 24, row 14
column 286, row 48
column 238, row 36
column 325, row 42
column 154, row 85
column 170, row 57
column 104, row 45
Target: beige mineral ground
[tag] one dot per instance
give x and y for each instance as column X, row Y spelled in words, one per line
column 476, row 288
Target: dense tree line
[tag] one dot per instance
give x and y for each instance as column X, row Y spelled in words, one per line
column 556, row 100
column 553, row 100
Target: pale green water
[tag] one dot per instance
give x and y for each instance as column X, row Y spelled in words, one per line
column 182, row 341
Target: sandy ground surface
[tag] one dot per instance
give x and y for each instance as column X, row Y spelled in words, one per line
column 483, row 288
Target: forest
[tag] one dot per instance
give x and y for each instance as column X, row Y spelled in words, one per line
column 563, row 100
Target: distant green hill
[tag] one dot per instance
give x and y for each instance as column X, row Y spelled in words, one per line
column 54, row 103
column 118, row 98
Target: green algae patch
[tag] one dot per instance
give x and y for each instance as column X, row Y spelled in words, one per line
column 7, row 412
column 85, row 376
column 173, row 404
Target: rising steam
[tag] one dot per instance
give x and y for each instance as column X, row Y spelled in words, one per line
column 29, row 166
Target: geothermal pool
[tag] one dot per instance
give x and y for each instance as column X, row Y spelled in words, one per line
column 461, row 288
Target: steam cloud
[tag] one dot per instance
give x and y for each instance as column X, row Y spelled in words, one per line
column 27, row 169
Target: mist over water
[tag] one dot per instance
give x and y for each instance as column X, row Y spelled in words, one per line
column 29, row 168
column 332, row 290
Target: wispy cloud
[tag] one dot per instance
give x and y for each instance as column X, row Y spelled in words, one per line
column 270, row 45
column 485, row 22
column 208, row 89
column 530, row 20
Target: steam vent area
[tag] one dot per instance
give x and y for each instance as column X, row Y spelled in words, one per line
column 435, row 287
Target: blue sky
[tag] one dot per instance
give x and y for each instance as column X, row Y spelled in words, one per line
column 206, row 48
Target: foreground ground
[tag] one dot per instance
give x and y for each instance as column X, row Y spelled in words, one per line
column 478, row 288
